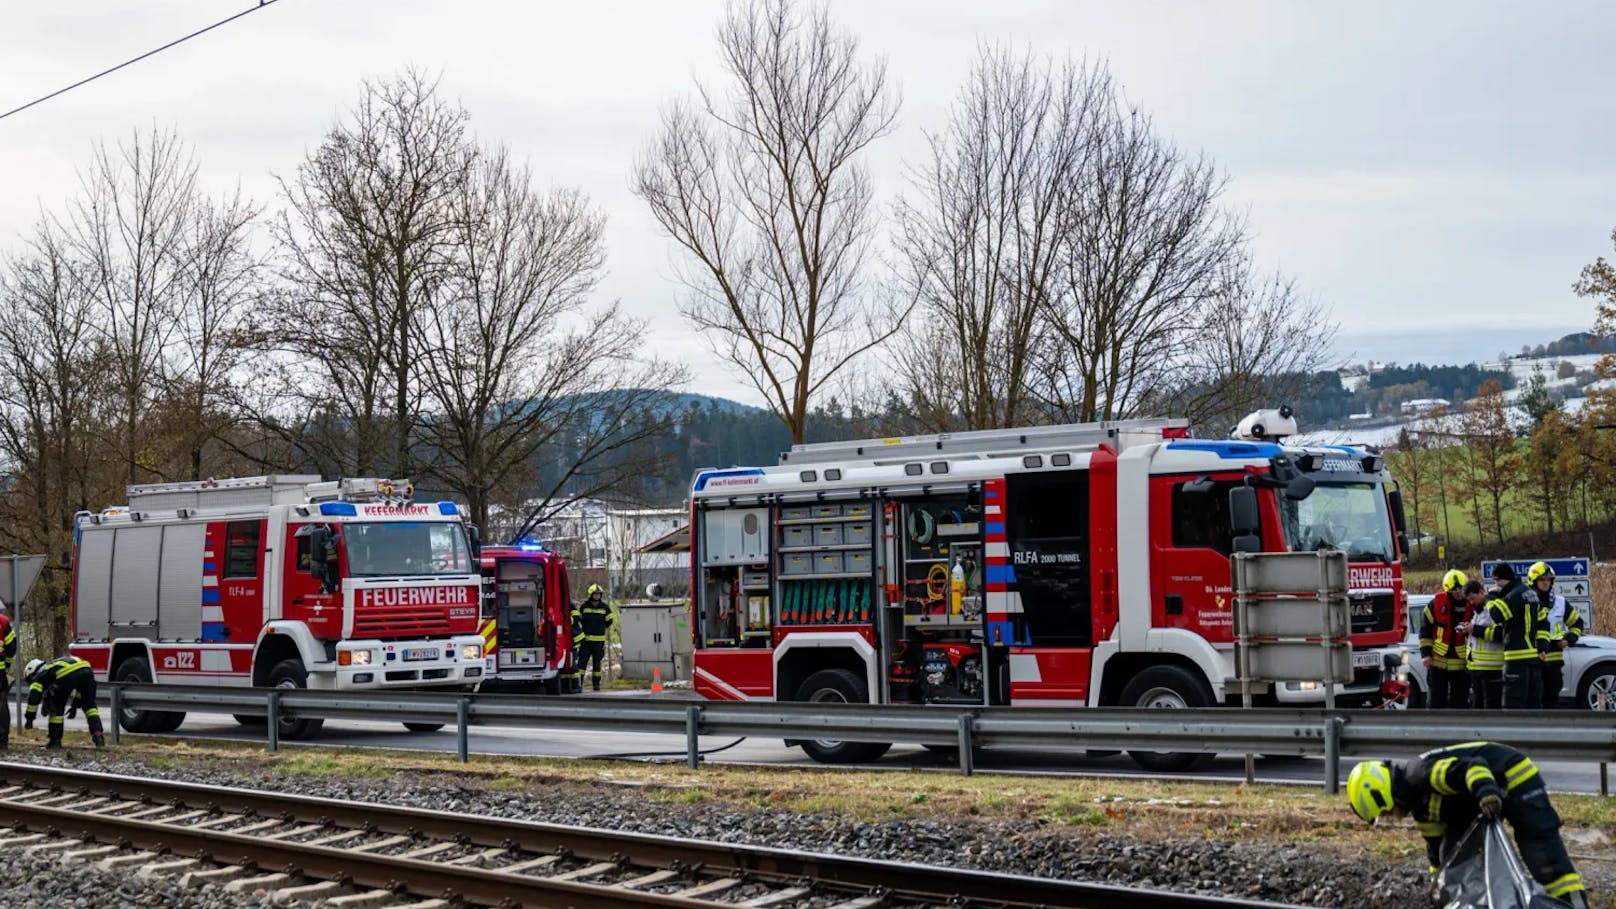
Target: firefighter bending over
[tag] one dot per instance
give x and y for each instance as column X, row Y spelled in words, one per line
column 1444, row 790
column 589, row 624
column 58, row 682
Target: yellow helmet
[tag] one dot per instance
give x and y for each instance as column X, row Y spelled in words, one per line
column 1369, row 789
column 1538, row 570
column 594, row 589
column 1454, row 580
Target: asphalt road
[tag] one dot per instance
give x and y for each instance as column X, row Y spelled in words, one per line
column 1561, row 776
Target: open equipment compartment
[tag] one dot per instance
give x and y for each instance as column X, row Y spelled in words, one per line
column 936, row 654
column 826, row 565
column 734, row 583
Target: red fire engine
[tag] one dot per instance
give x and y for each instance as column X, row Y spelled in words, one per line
column 1052, row 566
column 527, row 616
column 281, row 581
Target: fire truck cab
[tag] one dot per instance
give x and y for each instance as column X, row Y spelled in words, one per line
column 527, row 617
column 282, row 581
column 1058, row 566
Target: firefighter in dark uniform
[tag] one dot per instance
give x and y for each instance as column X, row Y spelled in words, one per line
column 58, row 683
column 590, row 621
column 1443, row 647
column 1518, row 622
column 1444, row 791
column 1564, row 626
column 8, row 655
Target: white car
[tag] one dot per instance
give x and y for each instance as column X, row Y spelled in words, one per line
column 1590, row 665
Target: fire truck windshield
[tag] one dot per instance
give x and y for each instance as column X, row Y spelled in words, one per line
column 401, row 548
column 1351, row 517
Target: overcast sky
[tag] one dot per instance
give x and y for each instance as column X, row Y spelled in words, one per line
column 1436, row 173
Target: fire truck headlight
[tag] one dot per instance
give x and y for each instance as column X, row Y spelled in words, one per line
column 355, row 657
column 472, row 652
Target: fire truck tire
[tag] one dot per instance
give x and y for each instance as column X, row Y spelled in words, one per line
column 843, row 687
column 551, row 685
column 291, row 674
column 137, row 671
column 423, row 727
column 248, row 719
column 1168, row 687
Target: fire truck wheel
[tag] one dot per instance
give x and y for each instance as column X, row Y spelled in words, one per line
column 291, row 674
column 423, row 727
column 838, row 686
column 248, row 720
column 1171, row 687
column 137, row 671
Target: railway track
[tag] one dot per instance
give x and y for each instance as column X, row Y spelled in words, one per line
column 356, row 854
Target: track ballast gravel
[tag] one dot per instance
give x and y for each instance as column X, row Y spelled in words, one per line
column 1317, row 874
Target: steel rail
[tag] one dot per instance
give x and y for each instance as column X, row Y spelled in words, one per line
column 903, row 880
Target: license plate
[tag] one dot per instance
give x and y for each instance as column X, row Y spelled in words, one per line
column 421, row 653
column 1366, row 660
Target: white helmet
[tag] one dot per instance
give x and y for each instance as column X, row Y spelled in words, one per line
column 32, row 667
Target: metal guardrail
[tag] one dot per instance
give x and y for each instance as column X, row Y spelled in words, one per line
column 1334, row 734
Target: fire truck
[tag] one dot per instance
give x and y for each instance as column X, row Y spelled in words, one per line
column 281, row 581
column 1057, row 566
column 526, row 617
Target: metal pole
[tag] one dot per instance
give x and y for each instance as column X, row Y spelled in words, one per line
column 693, row 735
column 462, row 719
column 1604, row 778
column 967, row 760
column 16, row 621
column 1332, row 755
column 273, row 720
column 117, row 711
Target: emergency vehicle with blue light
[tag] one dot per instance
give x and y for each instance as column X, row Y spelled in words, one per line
column 526, row 617
column 280, row 581
column 1055, row 566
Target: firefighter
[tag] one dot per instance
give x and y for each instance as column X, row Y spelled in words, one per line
column 1442, row 644
column 1517, row 621
column 590, row 621
column 1564, row 625
column 58, row 683
column 1484, row 659
column 1444, row 790
column 8, row 653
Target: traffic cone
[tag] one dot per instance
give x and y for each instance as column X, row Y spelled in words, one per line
column 656, row 679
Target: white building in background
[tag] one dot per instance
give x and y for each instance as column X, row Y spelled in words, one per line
column 1419, row 407
column 593, row 534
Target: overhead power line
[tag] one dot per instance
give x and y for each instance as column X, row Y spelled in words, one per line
column 88, row 79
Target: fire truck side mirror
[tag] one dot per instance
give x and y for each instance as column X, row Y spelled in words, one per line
column 475, row 535
column 1244, row 519
column 1299, row 488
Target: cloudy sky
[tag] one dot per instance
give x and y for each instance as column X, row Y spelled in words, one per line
column 1436, row 173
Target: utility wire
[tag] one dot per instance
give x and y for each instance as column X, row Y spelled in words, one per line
column 89, row 79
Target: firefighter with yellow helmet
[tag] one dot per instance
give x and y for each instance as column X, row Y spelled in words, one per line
column 1443, row 645
column 1446, row 789
column 591, row 619
column 1564, row 626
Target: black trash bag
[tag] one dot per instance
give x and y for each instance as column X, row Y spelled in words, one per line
column 1484, row 871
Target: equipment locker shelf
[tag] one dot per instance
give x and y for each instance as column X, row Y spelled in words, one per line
column 825, row 564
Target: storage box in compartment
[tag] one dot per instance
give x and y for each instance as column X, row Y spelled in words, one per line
column 828, row 563
column 797, row 535
column 796, row 512
column 827, row 511
column 856, row 511
column 791, row 564
column 856, row 533
column 856, row 561
column 827, row 534
column 750, row 578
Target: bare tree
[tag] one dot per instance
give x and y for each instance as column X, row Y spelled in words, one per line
column 1494, row 464
column 513, row 359
column 761, row 185
column 1146, row 249
column 980, row 245
column 219, row 295
column 128, row 236
column 365, row 238
column 50, row 363
column 1250, row 344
